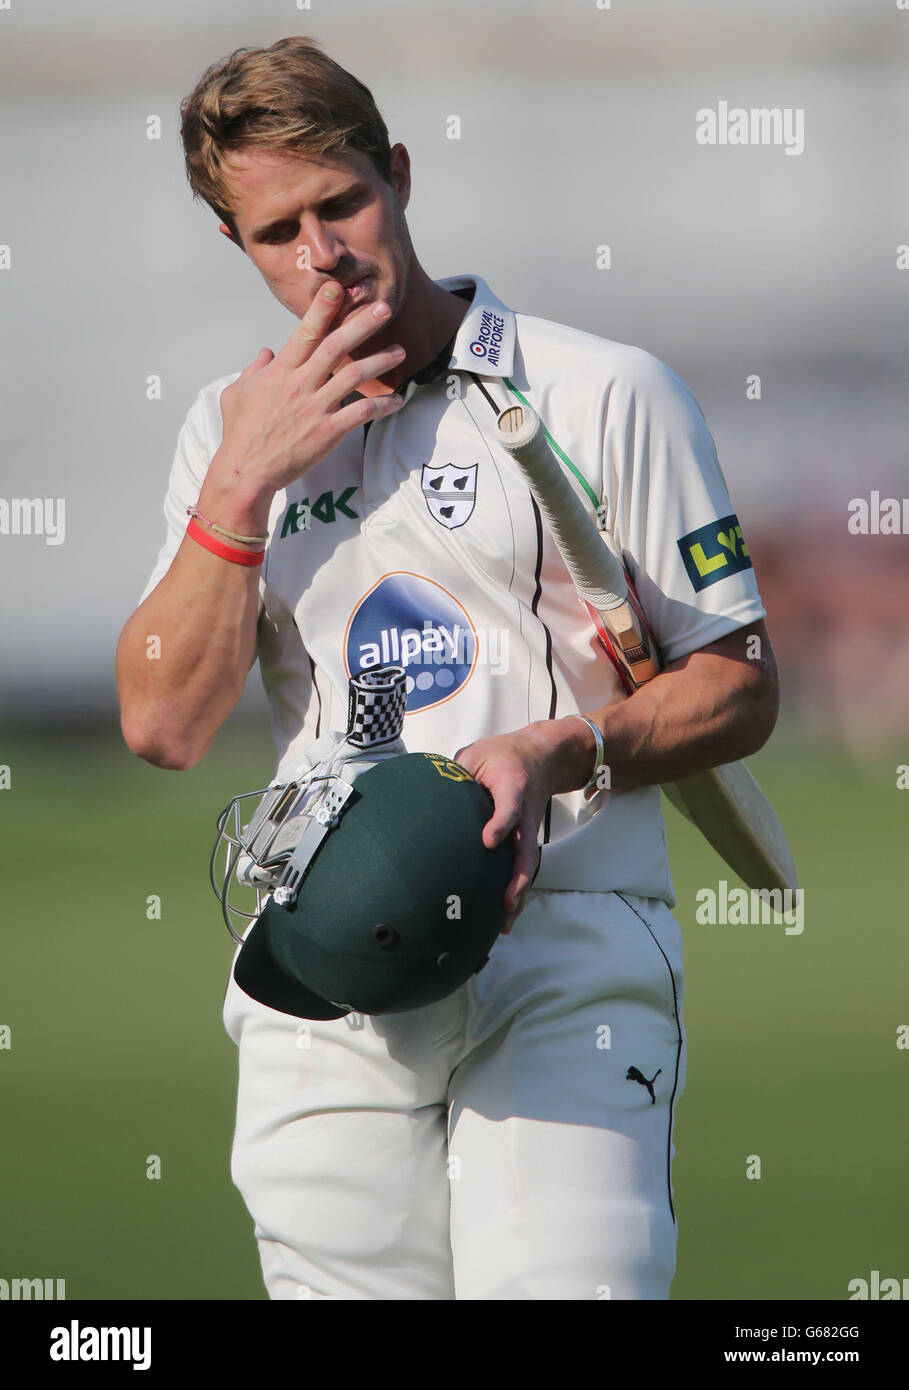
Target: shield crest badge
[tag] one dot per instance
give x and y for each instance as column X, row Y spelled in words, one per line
column 450, row 493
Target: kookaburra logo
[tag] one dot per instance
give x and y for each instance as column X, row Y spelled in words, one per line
column 450, row 493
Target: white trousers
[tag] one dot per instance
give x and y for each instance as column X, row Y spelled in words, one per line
column 511, row 1142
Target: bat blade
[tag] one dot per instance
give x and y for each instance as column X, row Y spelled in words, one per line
column 734, row 816
column 724, row 803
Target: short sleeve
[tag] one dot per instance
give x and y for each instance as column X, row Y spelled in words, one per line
column 670, row 512
column 197, row 444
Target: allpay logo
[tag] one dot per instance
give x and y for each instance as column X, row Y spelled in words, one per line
column 413, row 622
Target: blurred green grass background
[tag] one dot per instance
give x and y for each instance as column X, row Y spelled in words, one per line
column 118, row 1051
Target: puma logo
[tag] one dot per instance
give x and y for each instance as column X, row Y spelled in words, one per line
column 633, row 1074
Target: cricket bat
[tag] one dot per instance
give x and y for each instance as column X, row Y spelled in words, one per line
column 725, row 803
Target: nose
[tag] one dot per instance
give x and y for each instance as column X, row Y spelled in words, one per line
column 325, row 247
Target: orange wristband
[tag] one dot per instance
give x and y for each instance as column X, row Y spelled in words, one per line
column 226, row 552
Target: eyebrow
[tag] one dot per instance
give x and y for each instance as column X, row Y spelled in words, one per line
column 277, row 222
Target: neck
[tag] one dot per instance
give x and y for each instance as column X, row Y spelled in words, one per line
column 427, row 319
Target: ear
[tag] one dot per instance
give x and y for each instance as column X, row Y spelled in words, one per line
column 225, row 230
column 400, row 173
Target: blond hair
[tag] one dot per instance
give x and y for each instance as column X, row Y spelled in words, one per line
column 290, row 97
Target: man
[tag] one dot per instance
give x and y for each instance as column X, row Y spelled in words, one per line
column 515, row 1140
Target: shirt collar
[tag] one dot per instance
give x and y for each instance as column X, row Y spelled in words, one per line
column 485, row 341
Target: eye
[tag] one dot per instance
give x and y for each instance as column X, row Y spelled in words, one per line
column 279, row 234
column 343, row 207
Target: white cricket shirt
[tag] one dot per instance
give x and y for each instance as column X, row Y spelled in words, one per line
column 425, row 548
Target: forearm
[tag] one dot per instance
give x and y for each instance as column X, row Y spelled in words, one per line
column 701, row 711
column 675, row 726
column 184, row 655
column 281, row 417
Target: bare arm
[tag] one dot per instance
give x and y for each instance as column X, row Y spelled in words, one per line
column 204, row 614
column 714, row 706
column 282, row 416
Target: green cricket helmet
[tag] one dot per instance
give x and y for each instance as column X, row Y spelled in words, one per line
column 381, row 896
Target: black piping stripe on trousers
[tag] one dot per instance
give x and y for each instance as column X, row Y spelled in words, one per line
column 678, row 1050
